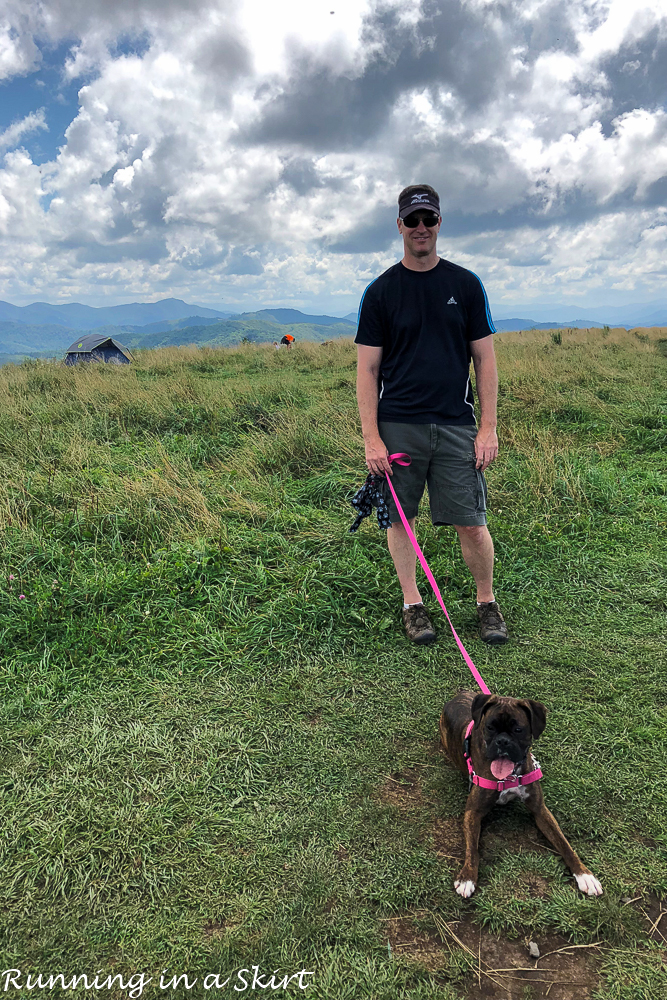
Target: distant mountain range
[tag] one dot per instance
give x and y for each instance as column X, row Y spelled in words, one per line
column 79, row 317
column 530, row 324
column 642, row 314
column 22, row 336
column 294, row 316
column 41, row 329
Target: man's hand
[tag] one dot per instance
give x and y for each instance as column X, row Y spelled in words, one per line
column 377, row 457
column 486, row 447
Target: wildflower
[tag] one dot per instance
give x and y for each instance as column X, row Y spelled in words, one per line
column 21, row 597
column 11, row 578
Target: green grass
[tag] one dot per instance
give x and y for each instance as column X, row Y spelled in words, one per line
column 206, row 688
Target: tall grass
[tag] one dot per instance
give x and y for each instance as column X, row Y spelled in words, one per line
column 160, row 443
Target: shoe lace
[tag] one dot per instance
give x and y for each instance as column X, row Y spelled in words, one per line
column 417, row 618
column 492, row 616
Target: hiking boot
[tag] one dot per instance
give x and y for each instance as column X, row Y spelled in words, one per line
column 492, row 627
column 418, row 625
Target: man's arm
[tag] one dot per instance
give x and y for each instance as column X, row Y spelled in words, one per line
column 486, row 377
column 368, row 371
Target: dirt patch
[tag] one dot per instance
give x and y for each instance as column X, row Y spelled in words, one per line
column 645, row 841
column 423, row 947
column 447, row 838
column 653, row 916
column 497, row 967
column 404, row 790
column 534, row 885
column 504, row 968
column 525, row 839
column 214, row 930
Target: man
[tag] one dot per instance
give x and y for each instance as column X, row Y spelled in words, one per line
column 420, row 323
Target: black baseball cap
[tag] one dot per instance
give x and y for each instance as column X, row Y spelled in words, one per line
column 417, row 199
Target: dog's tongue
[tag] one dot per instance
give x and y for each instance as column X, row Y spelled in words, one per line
column 502, row 768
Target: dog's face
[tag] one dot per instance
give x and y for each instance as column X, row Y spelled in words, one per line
column 508, row 727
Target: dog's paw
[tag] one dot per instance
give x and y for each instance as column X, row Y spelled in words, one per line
column 466, row 889
column 589, row 884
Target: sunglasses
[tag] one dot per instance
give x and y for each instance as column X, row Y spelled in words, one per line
column 412, row 221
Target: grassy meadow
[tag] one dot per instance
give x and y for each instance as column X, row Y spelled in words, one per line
column 219, row 750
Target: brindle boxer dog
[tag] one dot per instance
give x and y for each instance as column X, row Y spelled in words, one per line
column 499, row 750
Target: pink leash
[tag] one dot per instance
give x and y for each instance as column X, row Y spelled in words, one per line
column 400, row 459
column 475, row 779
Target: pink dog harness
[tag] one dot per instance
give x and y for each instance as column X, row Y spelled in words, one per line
column 497, row 786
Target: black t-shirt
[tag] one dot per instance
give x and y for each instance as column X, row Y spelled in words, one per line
column 424, row 322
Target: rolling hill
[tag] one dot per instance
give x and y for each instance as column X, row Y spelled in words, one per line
column 34, row 340
column 254, row 327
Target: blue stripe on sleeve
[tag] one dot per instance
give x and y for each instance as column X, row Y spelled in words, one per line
column 486, row 303
column 364, row 296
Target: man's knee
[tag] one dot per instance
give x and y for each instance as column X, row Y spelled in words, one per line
column 476, row 533
column 397, row 526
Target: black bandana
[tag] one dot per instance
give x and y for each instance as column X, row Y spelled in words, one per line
column 369, row 496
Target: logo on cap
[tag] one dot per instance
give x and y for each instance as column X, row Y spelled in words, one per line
column 419, row 198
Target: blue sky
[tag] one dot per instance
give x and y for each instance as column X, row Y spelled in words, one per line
column 241, row 154
column 49, row 88
column 45, row 88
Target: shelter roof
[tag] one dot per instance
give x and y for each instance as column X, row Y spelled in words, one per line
column 92, row 340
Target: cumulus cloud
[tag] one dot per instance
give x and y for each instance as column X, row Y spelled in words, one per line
column 18, row 51
column 245, row 152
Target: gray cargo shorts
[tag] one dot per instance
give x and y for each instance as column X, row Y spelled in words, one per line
column 443, row 456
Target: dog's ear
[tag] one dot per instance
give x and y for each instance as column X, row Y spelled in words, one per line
column 537, row 714
column 479, row 705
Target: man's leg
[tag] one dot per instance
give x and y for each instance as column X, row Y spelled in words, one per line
column 457, row 494
column 476, row 547
column 477, row 551
column 408, row 483
column 416, row 621
column 405, row 560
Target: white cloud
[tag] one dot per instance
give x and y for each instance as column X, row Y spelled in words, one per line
column 18, row 51
column 240, row 144
column 13, row 135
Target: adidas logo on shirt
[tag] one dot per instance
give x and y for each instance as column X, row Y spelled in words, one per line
column 452, row 302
